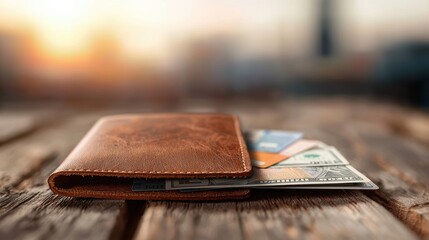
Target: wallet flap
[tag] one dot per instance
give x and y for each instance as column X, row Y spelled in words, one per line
column 155, row 146
column 162, row 146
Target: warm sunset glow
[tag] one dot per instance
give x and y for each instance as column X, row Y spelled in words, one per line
column 62, row 25
column 156, row 30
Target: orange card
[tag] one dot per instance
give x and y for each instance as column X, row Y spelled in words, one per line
column 264, row 159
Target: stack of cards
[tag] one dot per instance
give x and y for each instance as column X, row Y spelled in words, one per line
column 281, row 160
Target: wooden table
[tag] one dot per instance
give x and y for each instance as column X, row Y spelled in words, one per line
column 389, row 144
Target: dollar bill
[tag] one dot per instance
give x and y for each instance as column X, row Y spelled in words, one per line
column 334, row 177
column 349, row 186
column 276, row 177
column 345, row 186
column 314, row 157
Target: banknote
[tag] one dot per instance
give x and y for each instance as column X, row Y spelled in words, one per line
column 260, row 178
column 349, row 186
column 314, row 157
column 276, row 177
column 346, row 186
column 333, row 177
column 270, row 140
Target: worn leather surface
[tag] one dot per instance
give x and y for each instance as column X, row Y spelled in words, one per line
column 155, row 146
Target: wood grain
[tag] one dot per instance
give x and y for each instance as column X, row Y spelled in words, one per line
column 21, row 159
column 400, row 167
column 274, row 215
column 43, row 215
column 15, row 126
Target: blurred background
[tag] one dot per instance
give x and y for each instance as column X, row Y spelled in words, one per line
column 167, row 51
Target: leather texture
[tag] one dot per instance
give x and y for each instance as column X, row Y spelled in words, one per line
column 172, row 145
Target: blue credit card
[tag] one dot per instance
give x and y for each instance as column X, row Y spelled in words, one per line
column 272, row 141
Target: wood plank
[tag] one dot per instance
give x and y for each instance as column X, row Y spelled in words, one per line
column 399, row 167
column 274, row 215
column 17, row 122
column 21, row 159
column 414, row 125
column 13, row 127
column 43, row 215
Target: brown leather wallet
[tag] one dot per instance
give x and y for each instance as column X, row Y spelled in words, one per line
column 121, row 148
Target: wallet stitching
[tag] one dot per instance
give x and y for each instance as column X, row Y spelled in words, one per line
column 237, row 129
